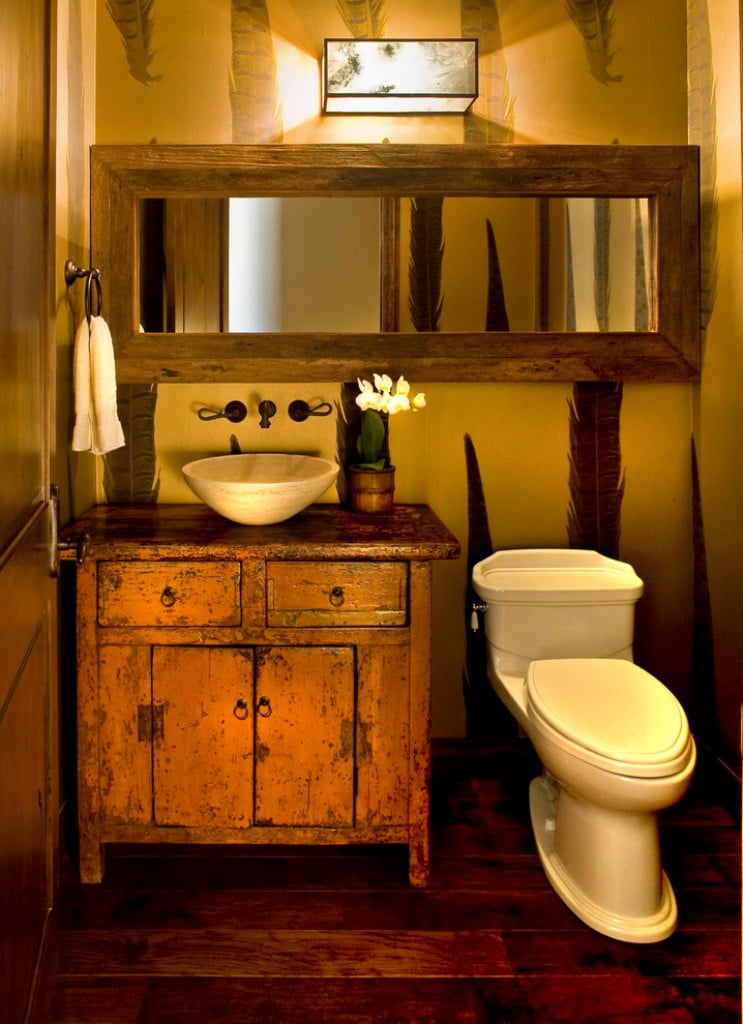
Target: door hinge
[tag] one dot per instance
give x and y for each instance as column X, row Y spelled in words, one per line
column 79, row 542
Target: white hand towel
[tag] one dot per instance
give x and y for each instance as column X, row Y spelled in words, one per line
column 97, row 427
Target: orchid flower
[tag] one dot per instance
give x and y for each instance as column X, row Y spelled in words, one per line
column 379, row 401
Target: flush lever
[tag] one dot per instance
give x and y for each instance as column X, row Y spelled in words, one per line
column 475, row 609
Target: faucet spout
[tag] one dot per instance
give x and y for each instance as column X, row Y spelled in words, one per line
column 267, row 409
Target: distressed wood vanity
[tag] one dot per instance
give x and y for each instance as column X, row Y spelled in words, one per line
column 246, row 684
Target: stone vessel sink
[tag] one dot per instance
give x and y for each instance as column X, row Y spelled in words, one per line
column 258, row 489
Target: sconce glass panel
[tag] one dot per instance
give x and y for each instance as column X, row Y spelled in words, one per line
column 399, row 76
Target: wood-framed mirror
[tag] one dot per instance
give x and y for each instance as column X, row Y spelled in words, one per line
column 573, row 202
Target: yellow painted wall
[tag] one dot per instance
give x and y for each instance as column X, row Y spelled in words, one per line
column 519, row 430
column 718, row 418
column 75, row 473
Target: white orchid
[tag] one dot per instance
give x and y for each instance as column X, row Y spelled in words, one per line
column 378, row 401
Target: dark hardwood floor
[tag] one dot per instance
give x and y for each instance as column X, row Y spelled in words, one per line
column 336, row 935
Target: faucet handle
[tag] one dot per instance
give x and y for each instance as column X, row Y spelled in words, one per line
column 235, row 412
column 299, row 410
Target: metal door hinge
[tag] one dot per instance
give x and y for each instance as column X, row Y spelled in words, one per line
column 79, row 543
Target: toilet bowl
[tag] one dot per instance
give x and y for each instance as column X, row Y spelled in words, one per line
column 614, row 743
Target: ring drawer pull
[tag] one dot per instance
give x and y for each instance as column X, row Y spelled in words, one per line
column 240, row 709
column 337, row 597
column 264, row 707
column 168, row 597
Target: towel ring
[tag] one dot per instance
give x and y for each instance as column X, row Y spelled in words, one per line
column 93, row 295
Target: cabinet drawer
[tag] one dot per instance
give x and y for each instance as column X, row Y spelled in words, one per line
column 337, row 593
column 169, row 594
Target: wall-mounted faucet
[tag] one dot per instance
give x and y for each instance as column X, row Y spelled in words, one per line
column 267, row 409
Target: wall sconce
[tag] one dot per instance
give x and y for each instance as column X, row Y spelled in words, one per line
column 399, row 76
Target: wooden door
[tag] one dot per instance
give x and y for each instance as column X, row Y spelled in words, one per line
column 28, row 716
column 202, row 702
column 304, row 736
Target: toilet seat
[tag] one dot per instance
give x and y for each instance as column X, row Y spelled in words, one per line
column 609, row 713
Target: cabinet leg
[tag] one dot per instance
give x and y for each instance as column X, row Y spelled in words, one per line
column 92, row 861
column 419, row 858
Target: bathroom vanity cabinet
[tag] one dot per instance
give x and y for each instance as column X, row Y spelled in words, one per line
column 244, row 684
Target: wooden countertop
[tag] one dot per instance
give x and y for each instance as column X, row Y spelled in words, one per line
column 410, row 532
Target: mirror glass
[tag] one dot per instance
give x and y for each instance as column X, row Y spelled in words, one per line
column 312, row 264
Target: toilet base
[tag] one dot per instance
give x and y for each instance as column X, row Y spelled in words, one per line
column 659, row 920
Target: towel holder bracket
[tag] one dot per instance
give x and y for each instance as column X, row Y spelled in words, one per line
column 93, row 296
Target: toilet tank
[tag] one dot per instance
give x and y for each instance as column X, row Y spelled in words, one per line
column 557, row 603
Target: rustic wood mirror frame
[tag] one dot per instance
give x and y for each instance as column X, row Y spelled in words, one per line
column 667, row 175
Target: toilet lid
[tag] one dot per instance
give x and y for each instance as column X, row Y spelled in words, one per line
column 612, row 708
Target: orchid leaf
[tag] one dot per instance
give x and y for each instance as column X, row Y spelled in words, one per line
column 371, row 440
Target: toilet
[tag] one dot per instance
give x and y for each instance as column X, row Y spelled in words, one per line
column 613, row 741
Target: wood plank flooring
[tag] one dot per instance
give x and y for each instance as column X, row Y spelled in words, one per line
column 288, row 935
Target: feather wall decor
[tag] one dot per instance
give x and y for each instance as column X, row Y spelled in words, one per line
column 596, row 480
column 601, row 280
column 702, row 130
column 254, row 93
column 491, row 119
column 133, row 19
column 129, row 473
column 642, row 308
column 594, row 19
column 364, row 19
column 425, row 300
column 496, row 315
column 703, row 680
column 347, row 427
column 570, row 313
column 485, row 714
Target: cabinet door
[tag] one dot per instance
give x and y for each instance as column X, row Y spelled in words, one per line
column 122, row 729
column 203, row 736
column 382, row 734
column 304, row 731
